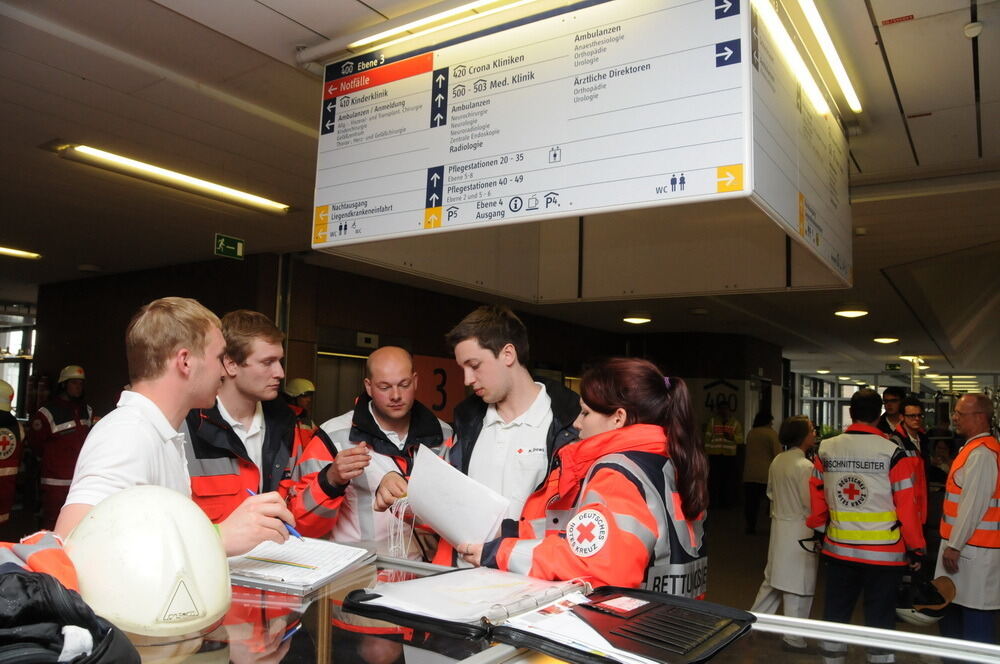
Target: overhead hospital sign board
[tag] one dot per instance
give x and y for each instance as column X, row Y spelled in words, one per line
column 593, row 120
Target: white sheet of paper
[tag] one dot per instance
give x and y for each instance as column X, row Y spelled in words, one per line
column 457, row 507
column 469, row 595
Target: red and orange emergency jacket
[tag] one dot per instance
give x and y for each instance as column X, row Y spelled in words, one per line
column 865, row 498
column 609, row 513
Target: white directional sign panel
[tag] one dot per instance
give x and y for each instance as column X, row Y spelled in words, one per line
column 616, row 105
column 597, row 108
column 800, row 158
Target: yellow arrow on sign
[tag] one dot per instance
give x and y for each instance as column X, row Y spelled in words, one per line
column 729, row 178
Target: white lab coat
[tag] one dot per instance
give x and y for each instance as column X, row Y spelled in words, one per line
column 790, row 568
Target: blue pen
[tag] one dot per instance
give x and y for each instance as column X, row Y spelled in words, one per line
column 291, row 530
column 290, row 633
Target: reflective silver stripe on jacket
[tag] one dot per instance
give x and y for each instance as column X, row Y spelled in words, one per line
column 521, row 555
column 537, row 527
column 303, row 468
column 210, row 467
column 865, row 554
column 982, row 525
column 903, row 484
column 311, row 505
column 53, row 481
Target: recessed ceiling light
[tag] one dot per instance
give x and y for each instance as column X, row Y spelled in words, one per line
column 922, row 367
column 637, row 319
column 843, row 377
column 851, row 310
column 885, row 340
column 19, row 253
column 822, row 371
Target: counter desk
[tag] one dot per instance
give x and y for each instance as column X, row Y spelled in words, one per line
column 263, row 627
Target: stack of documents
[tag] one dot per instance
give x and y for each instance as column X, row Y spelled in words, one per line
column 297, row 567
column 564, row 619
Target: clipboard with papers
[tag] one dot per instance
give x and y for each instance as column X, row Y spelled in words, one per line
column 567, row 620
column 297, row 567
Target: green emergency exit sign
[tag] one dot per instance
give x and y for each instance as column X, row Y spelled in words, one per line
column 893, row 366
column 229, row 247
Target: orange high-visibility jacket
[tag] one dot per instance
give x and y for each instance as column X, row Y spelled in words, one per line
column 987, row 533
column 609, row 513
column 221, row 472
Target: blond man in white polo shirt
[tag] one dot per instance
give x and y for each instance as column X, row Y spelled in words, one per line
column 174, row 348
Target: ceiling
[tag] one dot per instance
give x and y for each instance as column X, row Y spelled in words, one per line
column 214, row 89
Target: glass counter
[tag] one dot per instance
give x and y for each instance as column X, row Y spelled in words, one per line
column 265, row 627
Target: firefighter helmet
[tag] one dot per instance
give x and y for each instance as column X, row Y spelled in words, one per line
column 296, row 387
column 71, row 372
column 150, row 562
column 921, row 602
column 6, row 396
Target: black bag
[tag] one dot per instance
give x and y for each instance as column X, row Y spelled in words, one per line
column 34, row 607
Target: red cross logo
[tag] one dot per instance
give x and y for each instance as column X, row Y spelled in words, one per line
column 585, row 533
column 851, row 491
column 520, row 450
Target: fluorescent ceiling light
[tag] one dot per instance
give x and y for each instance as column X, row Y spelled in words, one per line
column 843, row 377
column 822, row 371
column 440, row 16
column 830, row 53
column 159, row 175
column 19, row 253
column 932, row 375
column 923, row 367
column 885, row 340
column 910, row 358
column 636, row 319
column 957, row 376
column 791, row 54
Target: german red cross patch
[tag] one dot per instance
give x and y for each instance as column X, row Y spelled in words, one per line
column 8, row 443
column 587, row 533
column 851, row 491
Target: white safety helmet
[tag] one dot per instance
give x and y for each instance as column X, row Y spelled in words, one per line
column 923, row 602
column 150, row 562
column 296, row 387
column 6, row 396
column 71, row 372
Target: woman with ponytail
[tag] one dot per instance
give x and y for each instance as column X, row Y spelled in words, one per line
column 624, row 505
